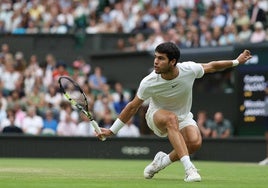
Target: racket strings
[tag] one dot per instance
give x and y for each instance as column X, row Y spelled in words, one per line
column 74, row 93
column 79, row 98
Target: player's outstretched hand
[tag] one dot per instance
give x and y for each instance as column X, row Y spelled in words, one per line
column 244, row 56
column 104, row 133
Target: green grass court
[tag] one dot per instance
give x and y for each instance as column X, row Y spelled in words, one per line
column 91, row 173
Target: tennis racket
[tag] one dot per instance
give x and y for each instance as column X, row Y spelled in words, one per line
column 76, row 96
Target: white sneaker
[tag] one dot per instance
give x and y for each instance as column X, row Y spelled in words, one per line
column 264, row 162
column 155, row 166
column 192, row 175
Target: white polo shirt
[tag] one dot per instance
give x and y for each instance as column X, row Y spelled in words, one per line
column 174, row 95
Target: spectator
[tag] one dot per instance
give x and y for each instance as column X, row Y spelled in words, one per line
column 107, row 92
column 2, row 27
column 130, row 130
column 204, row 33
column 5, row 121
column 36, row 98
column 97, row 80
column 189, row 39
column 107, row 121
column 228, row 37
column 81, row 70
column 32, row 27
column 29, row 82
column 204, row 124
column 52, row 97
column 241, row 15
column 86, row 68
column 256, row 13
column 32, row 124
column 120, row 105
column 120, row 90
column 139, row 42
column 221, row 127
column 229, row 10
column 258, row 34
column 14, row 98
column 2, row 63
column 34, row 68
column 103, row 107
column 50, row 124
column 5, row 49
column 11, row 127
column 49, row 67
column 263, row 5
column 93, row 27
column 35, row 10
column 61, row 70
column 216, row 34
column 10, row 78
column 84, row 128
column 66, row 18
column 67, row 127
column 219, row 19
column 3, row 114
column 66, row 110
column 20, row 114
column 3, row 101
column 20, row 62
column 208, row 40
column 6, row 14
column 244, row 35
column 58, row 28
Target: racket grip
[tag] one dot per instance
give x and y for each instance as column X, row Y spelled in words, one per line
column 97, row 128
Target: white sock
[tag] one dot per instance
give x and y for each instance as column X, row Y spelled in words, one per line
column 185, row 160
column 166, row 161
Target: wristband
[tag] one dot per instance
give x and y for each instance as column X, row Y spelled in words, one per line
column 235, row 62
column 117, row 125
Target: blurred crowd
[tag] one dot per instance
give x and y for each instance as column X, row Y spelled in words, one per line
column 189, row 23
column 31, row 103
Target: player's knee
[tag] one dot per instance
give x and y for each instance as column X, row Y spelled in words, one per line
column 171, row 122
column 194, row 145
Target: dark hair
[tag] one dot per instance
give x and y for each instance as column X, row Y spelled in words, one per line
column 169, row 48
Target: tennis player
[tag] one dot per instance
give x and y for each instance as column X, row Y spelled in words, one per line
column 169, row 89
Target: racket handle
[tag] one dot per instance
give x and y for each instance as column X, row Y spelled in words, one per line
column 97, row 128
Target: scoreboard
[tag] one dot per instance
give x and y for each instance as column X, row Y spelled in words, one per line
column 251, row 84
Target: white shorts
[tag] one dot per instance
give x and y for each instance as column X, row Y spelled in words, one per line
column 187, row 121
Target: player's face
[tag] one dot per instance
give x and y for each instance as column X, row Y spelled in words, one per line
column 162, row 64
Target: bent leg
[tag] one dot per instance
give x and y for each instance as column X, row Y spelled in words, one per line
column 192, row 138
column 168, row 122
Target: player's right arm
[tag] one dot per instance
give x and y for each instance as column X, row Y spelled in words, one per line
column 129, row 111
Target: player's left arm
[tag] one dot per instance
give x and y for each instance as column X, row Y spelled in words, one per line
column 215, row 66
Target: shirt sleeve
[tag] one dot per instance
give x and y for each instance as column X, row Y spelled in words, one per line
column 144, row 91
column 197, row 69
